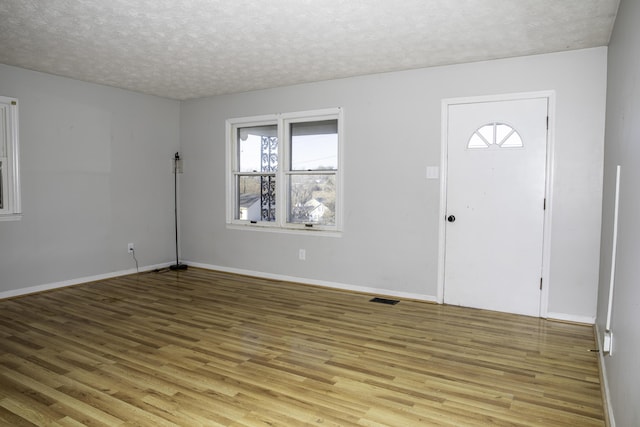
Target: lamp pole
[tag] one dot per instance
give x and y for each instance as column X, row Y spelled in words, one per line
column 176, row 163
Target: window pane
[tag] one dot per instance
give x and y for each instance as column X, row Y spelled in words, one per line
column 258, row 149
column 314, row 145
column 476, row 141
column 256, row 198
column 502, row 132
column 487, row 132
column 514, row 141
column 312, row 199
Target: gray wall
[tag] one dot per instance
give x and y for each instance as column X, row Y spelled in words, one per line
column 392, row 133
column 623, row 148
column 96, row 174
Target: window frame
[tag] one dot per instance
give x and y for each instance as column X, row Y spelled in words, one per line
column 282, row 122
column 11, row 205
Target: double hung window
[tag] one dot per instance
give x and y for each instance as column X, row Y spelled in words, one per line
column 9, row 155
column 284, row 171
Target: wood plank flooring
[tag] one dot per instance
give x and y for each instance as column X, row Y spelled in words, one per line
column 207, row 348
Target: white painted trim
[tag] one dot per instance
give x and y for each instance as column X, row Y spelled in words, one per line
column 546, row 249
column 614, row 247
column 12, row 158
column 442, row 235
column 71, row 282
column 314, row 282
column 498, row 97
column 587, row 320
column 268, row 229
column 546, row 239
column 16, row 192
column 608, row 410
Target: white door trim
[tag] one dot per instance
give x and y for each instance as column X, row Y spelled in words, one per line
column 546, row 254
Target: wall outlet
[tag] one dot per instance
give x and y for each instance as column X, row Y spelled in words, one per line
column 302, row 254
column 130, row 248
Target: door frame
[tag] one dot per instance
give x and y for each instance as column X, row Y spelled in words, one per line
column 546, row 243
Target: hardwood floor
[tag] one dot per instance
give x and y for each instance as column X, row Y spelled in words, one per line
column 207, row 348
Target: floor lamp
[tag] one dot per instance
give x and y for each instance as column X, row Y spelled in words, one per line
column 177, row 168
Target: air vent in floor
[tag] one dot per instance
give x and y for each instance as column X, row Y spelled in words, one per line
column 385, row 301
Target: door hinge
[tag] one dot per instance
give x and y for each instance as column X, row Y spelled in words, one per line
column 547, row 122
column 541, row 283
column 544, row 204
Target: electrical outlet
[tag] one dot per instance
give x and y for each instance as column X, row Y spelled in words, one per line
column 130, row 248
column 302, row 254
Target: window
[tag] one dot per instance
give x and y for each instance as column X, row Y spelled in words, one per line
column 495, row 135
column 9, row 154
column 284, row 171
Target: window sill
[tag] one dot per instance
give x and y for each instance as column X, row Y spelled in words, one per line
column 10, row 217
column 303, row 232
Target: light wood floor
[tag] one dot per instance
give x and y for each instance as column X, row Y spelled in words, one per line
column 208, row 348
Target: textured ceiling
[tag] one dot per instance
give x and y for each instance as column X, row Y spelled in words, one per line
column 193, row 48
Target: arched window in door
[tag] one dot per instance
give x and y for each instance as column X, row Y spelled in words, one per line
column 495, row 135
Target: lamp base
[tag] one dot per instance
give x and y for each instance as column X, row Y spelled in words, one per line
column 178, row 267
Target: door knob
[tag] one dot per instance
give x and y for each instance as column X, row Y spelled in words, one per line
column 451, row 218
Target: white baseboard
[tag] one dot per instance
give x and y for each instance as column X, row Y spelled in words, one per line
column 608, row 410
column 65, row 283
column 326, row 284
column 587, row 320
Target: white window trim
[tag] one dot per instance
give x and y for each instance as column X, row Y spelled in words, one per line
column 281, row 225
column 13, row 209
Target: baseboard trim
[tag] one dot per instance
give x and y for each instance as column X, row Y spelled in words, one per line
column 587, row 320
column 314, row 282
column 50, row 286
column 604, row 383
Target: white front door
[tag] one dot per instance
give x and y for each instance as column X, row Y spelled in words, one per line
column 496, row 169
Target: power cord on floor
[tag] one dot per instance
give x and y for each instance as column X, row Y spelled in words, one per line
column 133, row 254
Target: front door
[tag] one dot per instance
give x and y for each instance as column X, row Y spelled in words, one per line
column 495, row 199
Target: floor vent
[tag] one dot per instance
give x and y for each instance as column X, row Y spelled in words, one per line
column 385, row 301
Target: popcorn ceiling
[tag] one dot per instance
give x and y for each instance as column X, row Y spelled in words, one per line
column 186, row 49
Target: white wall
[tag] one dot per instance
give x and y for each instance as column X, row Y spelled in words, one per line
column 623, row 148
column 96, row 174
column 392, row 133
